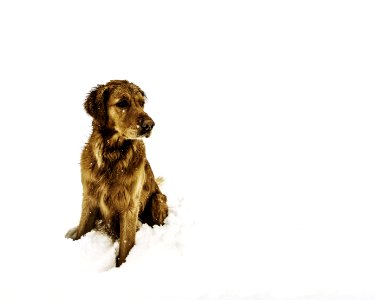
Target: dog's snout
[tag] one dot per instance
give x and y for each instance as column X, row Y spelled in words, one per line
column 147, row 125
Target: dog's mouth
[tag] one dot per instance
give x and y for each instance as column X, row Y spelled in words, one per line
column 136, row 133
column 146, row 135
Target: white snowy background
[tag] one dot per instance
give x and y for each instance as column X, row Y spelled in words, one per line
column 264, row 132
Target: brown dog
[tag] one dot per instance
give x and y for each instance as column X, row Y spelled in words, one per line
column 118, row 184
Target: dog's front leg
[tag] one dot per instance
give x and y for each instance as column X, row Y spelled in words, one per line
column 86, row 223
column 128, row 228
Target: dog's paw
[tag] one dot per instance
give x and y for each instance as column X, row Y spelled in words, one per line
column 72, row 233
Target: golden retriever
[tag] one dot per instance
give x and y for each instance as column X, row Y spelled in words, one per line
column 119, row 187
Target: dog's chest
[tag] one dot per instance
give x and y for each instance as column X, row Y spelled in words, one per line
column 122, row 187
column 118, row 188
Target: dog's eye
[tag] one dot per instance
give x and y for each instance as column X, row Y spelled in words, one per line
column 123, row 103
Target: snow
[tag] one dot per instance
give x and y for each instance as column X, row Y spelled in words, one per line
column 264, row 115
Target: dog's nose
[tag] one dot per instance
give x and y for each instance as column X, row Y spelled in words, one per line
column 147, row 125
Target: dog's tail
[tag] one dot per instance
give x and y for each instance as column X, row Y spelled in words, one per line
column 160, row 180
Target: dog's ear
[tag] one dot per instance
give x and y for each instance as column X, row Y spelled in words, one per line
column 96, row 104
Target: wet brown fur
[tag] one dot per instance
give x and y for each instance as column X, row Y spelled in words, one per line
column 119, row 187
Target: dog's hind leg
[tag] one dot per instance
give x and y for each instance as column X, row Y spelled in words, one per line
column 159, row 208
column 156, row 209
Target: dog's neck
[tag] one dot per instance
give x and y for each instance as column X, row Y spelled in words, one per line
column 111, row 139
column 111, row 146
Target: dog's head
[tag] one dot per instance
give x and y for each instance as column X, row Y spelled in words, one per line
column 118, row 106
